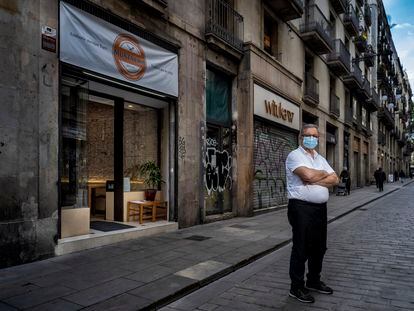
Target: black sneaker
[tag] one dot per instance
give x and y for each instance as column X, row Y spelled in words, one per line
column 302, row 294
column 320, row 288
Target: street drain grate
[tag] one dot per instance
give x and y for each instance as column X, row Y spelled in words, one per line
column 198, row 238
column 240, row 226
column 362, row 209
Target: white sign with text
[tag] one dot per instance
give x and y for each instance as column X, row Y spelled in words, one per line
column 92, row 43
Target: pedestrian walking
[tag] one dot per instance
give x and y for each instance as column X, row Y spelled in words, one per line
column 395, row 176
column 410, row 174
column 402, row 176
column 345, row 178
column 376, row 176
column 308, row 177
column 380, row 177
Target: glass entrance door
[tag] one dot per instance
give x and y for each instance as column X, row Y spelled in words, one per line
column 87, row 156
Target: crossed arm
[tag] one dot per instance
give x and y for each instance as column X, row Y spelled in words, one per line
column 312, row 176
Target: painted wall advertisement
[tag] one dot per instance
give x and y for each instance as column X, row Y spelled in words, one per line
column 92, row 43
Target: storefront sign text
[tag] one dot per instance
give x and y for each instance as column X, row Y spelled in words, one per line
column 275, row 108
column 278, row 111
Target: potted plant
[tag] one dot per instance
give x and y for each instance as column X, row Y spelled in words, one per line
column 152, row 178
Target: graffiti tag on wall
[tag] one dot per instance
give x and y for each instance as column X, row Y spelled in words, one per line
column 181, row 148
column 217, row 164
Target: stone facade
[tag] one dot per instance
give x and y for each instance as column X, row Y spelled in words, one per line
column 29, row 86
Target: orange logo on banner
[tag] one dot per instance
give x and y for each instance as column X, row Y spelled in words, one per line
column 129, row 57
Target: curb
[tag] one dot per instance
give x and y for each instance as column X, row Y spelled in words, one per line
column 199, row 284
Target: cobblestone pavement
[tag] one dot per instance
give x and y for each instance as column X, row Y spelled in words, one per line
column 369, row 263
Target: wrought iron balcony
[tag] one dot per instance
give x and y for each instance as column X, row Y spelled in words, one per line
column 401, row 140
column 316, row 30
column 369, row 57
column 357, row 123
column 381, row 72
column 373, row 101
column 386, row 116
column 339, row 6
column 386, row 60
column 365, row 91
column 351, row 21
column 334, row 106
column 367, row 130
column 287, row 9
column 224, row 27
column 311, row 90
column 361, row 42
column 354, row 79
column 339, row 60
column 348, row 116
column 381, row 139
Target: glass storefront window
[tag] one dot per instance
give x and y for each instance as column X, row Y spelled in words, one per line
column 141, row 141
column 87, row 148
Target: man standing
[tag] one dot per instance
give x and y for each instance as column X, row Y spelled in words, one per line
column 308, row 177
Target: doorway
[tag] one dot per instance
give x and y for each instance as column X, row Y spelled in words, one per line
column 356, row 169
column 106, row 134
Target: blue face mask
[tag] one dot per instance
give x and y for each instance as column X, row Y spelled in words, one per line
column 310, row 142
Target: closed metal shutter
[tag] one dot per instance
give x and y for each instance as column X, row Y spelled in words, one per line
column 271, row 147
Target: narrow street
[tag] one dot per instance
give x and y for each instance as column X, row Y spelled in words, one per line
column 369, row 264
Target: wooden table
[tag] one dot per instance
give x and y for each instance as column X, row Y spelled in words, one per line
column 146, row 210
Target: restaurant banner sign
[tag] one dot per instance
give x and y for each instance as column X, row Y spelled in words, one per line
column 92, row 43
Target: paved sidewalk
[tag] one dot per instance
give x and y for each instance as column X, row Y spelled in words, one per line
column 369, row 264
column 149, row 272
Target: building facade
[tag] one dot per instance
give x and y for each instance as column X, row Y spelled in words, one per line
column 212, row 92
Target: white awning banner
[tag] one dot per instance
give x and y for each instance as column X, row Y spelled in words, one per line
column 94, row 44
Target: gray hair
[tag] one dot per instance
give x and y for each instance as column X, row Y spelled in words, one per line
column 308, row 126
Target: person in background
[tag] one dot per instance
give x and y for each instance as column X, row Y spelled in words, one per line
column 411, row 174
column 344, row 176
column 380, row 177
column 308, row 177
column 402, row 176
column 395, row 176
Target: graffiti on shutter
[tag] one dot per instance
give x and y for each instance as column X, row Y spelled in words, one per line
column 271, row 148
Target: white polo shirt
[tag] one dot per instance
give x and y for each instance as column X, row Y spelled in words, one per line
column 295, row 187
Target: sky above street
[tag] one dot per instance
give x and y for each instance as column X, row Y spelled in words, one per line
column 401, row 13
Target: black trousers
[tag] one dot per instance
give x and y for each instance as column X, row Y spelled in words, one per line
column 309, row 226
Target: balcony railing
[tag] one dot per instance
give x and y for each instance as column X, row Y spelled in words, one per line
column 287, row 9
column 401, row 140
column 339, row 60
column 351, row 21
column 316, row 31
column 348, row 116
column 365, row 91
column 369, row 57
column 381, row 139
column 311, row 91
column 334, row 107
column 373, row 101
column 354, row 79
column 339, row 6
column 361, row 42
column 225, row 23
column 386, row 116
